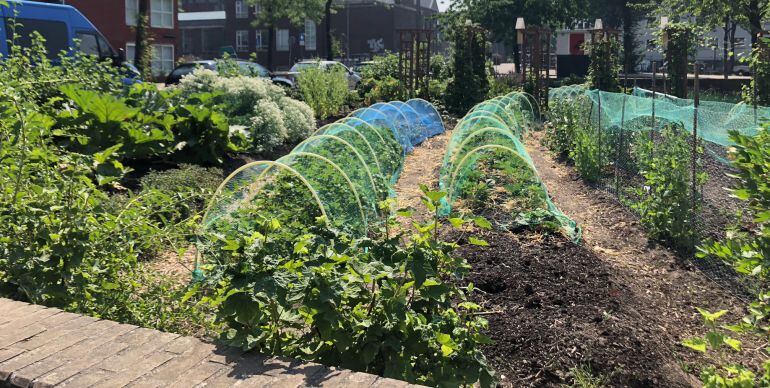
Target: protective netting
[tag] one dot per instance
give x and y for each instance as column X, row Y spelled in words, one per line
column 341, row 173
column 629, row 138
column 487, row 169
column 715, row 118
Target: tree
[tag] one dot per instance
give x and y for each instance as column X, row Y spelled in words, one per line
column 296, row 11
column 499, row 16
column 624, row 14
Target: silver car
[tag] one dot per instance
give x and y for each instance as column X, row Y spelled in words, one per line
column 289, row 78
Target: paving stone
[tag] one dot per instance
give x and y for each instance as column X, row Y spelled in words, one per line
column 131, row 372
column 70, row 361
column 198, row 374
column 179, row 365
column 46, row 347
column 56, row 324
column 67, row 339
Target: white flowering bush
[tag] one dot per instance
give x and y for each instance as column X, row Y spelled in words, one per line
column 268, row 117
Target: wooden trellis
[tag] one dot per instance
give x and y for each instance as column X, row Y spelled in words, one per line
column 414, row 59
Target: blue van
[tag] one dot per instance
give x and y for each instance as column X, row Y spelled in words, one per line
column 63, row 27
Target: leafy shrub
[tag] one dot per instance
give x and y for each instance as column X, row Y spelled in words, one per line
column 470, row 83
column 564, row 116
column 667, row 205
column 587, row 152
column 146, row 123
column 63, row 241
column 191, row 185
column 325, row 90
column 380, row 80
column 604, row 69
column 369, row 305
column 269, row 117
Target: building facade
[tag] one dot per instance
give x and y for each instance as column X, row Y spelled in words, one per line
column 360, row 29
column 117, row 19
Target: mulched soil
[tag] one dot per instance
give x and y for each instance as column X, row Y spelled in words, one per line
column 554, row 305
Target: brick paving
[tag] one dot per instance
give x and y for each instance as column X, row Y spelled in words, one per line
column 46, row 347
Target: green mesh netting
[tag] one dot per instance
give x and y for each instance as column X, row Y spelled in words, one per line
column 486, row 166
column 715, row 119
column 341, row 172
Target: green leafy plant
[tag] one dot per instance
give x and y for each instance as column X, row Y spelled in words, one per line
column 369, row 305
column 587, row 153
column 667, row 205
column 470, row 82
column 325, row 90
column 604, row 69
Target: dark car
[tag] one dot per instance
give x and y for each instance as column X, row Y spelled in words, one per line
column 250, row 68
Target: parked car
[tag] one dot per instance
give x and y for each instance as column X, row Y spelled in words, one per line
column 63, row 27
column 289, row 78
column 250, row 68
column 741, row 70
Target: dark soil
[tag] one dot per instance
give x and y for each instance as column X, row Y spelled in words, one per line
column 555, row 306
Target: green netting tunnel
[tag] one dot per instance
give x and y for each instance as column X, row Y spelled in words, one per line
column 486, row 164
column 341, row 172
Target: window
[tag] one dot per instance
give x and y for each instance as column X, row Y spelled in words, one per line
column 54, row 33
column 260, row 39
column 162, row 13
column 242, row 40
column 740, row 42
column 281, row 40
column 88, row 44
column 257, row 9
column 132, row 12
column 241, row 9
column 162, row 59
column 93, row 44
column 310, row 35
column 130, row 52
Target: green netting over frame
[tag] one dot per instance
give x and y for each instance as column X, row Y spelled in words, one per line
column 486, row 163
column 341, row 172
column 715, row 119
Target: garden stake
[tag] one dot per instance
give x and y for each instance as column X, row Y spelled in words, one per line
column 654, row 75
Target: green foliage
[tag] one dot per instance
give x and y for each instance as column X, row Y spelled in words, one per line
column 504, row 188
column 604, row 70
column 325, row 90
column 680, row 41
column 747, row 250
column 584, row 377
column 380, row 80
column 587, row 151
column 564, row 117
column 261, row 115
column 63, row 241
column 470, row 83
column 190, row 185
column 759, row 63
column 146, row 123
column 667, row 206
column 378, row 306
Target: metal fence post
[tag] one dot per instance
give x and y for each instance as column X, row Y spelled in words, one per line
column 654, row 76
column 694, row 157
column 620, row 143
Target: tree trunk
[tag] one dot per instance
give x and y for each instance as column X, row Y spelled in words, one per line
column 733, row 28
column 725, row 49
column 329, row 38
column 270, row 45
column 629, row 40
column 754, row 15
column 140, row 51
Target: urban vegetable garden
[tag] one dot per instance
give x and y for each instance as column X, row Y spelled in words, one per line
column 472, row 231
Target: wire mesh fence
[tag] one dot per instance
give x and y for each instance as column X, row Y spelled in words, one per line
column 666, row 159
